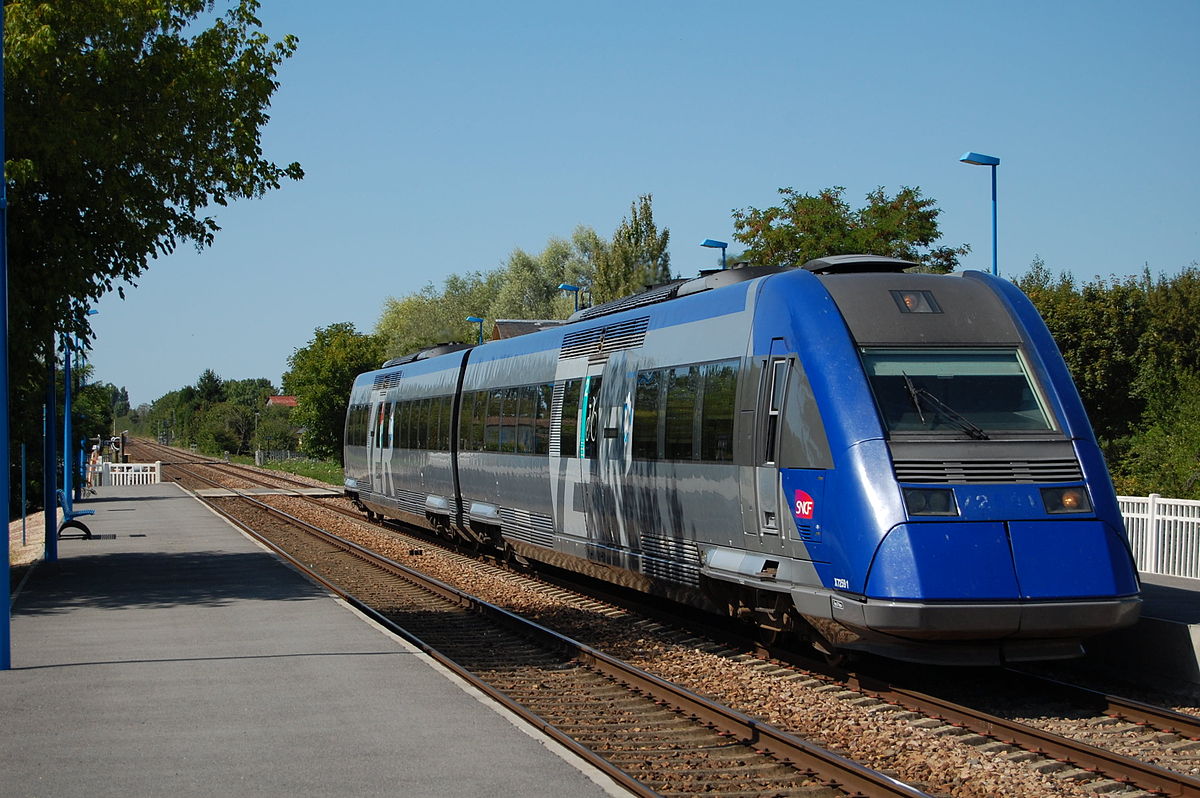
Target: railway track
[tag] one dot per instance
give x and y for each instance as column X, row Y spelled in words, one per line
column 1171, row 737
column 650, row 735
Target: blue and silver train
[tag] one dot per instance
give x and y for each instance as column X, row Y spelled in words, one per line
column 872, row 459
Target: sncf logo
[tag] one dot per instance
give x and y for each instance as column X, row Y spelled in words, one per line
column 803, row 507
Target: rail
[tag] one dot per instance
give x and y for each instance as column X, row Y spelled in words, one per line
column 1164, row 534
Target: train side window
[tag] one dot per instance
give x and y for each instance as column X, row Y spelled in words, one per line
column 465, row 416
column 508, row 424
column 448, row 430
column 682, row 388
column 493, row 420
column 522, row 419
column 435, row 424
column 716, row 431
column 647, row 415
column 569, row 426
column 479, row 421
column 404, row 435
column 543, row 397
column 447, row 423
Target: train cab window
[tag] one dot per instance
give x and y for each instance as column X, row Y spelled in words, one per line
column 568, row 430
column 961, row 391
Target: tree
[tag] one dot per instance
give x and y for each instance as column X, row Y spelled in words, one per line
column 530, row 283
column 320, row 376
column 210, row 389
column 807, row 226
column 637, row 256
column 125, row 120
column 251, row 393
column 428, row 317
column 1098, row 328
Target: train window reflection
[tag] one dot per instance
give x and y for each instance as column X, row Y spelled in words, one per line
column 569, row 427
column 685, row 412
column 954, row 390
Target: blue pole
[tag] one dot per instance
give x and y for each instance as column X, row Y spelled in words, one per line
column 995, row 266
column 6, row 579
column 68, row 452
column 50, row 457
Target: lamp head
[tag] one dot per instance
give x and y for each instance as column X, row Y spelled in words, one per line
column 975, row 159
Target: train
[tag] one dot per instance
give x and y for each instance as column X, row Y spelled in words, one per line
column 866, row 457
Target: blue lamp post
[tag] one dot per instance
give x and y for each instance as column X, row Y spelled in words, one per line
column 69, row 466
column 479, row 321
column 975, row 159
column 708, row 242
column 574, row 289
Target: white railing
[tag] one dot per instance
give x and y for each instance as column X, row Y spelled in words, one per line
column 1164, row 534
column 104, row 474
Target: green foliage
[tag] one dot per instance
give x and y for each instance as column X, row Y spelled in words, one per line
column 637, row 256
column 1133, row 348
column 807, row 226
column 1164, row 457
column 225, row 427
column 432, row 317
column 525, row 288
column 320, row 376
column 1098, row 328
column 125, row 121
column 214, row 415
column 276, row 431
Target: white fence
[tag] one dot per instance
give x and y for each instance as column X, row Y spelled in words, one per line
column 1164, row 534
column 104, row 474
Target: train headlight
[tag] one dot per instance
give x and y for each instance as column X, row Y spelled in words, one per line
column 930, row 501
column 1066, row 500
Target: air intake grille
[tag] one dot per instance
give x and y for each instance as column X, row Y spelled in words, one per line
column 988, row 471
column 599, row 342
column 385, row 381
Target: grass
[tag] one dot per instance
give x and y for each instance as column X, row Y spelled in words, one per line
column 328, row 471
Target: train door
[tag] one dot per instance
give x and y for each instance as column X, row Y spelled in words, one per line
column 769, row 515
column 379, row 445
column 579, row 446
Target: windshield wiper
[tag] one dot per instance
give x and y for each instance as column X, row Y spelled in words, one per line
column 914, row 396
column 953, row 416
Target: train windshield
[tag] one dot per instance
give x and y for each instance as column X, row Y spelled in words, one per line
column 968, row 391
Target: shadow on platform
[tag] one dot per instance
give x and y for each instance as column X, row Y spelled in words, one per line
column 160, row 579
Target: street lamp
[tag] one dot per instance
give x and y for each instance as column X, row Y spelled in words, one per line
column 574, row 289
column 479, row 321
column 708, row 242
column 975, row 159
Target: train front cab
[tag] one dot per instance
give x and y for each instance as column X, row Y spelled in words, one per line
column 969, row 516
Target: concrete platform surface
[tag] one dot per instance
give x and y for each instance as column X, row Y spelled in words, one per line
column 180, row 658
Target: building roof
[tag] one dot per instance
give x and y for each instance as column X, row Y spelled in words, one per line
column 281, row 401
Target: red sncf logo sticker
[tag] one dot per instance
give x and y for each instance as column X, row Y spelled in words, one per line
column 803, row 507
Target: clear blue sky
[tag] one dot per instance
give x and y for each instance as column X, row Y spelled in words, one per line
column 438, row 137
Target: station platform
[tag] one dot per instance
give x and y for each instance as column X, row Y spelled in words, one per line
column 1165, row 642
column 175, row 656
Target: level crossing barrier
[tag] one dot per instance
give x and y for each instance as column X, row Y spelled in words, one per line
column 1164, row 534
